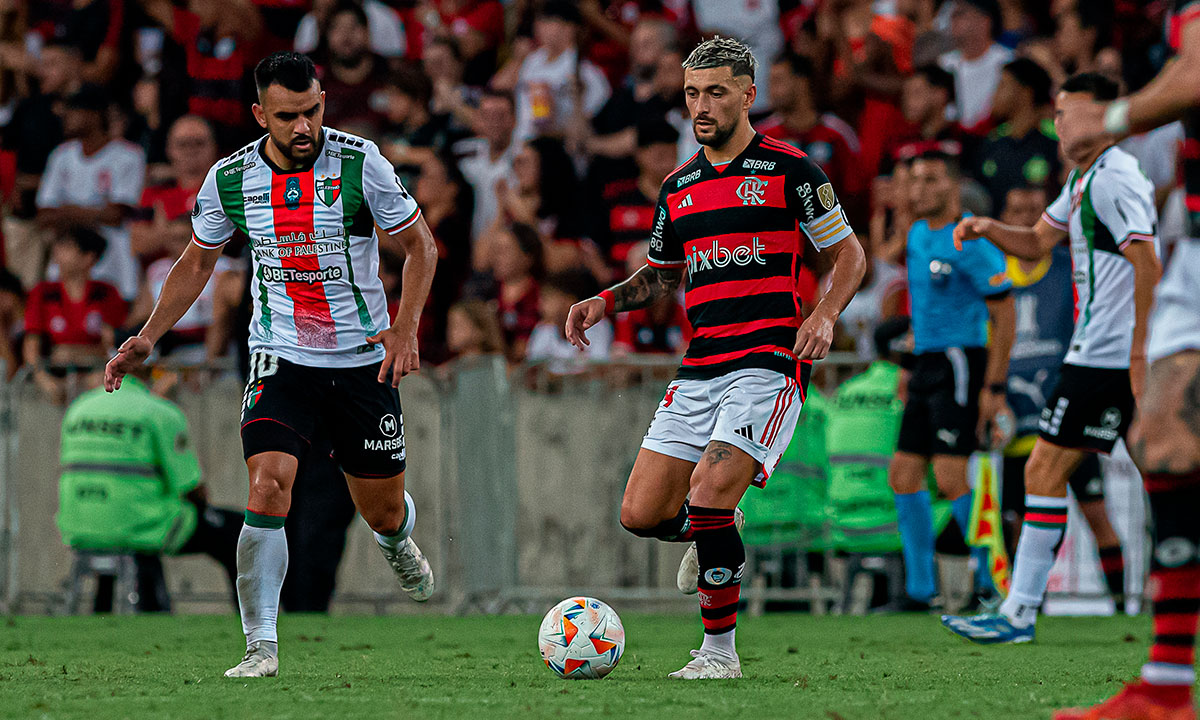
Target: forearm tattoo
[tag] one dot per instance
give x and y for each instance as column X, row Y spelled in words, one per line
column 645, row 287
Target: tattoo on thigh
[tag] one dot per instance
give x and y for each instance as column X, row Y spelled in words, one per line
column 718, row 451
column 1189, row 408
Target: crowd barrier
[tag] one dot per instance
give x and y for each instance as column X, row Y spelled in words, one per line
column 517, row 476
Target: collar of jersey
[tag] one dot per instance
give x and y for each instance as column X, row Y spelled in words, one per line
column 262, row 153
column 724, row 166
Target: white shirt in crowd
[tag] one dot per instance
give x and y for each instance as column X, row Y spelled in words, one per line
column 547, row 344
column 865, row 311
column 754, row 22
column 200, row 314
column 1156, row 152
column 114, row 175
column 975, row 81
column 482, row 172
column 384, row 26
column 545, row 92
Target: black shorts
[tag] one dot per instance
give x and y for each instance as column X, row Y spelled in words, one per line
column 1089, row 409
column 943, row 403
column 1086, row 483
column 286, row 405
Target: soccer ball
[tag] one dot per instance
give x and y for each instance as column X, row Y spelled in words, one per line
column 581, row 637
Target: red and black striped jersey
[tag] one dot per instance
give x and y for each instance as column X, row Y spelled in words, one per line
column 737, row 231
column 1184, row 13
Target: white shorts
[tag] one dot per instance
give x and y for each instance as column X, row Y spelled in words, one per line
column 1175, row 322
column 754, row 410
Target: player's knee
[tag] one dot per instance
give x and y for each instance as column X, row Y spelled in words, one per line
column 1156, row 446
column 902, row 480
column 638, row 520
column 268, row 490
column 384, row 517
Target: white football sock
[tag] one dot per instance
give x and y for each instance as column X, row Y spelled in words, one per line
column 1033, row 562
column 262, row 559
column 391, row 542
column 720, row 644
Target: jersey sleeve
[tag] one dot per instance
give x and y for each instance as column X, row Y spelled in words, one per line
column 986, row 268
column 1126, row 207
column 1058, row 215
column 666, row 251
column 211, row 227
column 811, row 197
column 177, row 458
column 391, row 205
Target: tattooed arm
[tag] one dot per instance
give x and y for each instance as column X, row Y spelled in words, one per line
column 645, row 287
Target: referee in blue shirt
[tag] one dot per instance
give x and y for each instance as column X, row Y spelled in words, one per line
column 957, row 386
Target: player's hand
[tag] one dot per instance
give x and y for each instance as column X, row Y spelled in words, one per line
column 970, row 229
column 814, row 337
column 583, row 315
column 992, row 406
column 132, row 353
column 1137, row 376
column 400, row 355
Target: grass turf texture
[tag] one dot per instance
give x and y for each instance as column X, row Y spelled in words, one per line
column 797, row 666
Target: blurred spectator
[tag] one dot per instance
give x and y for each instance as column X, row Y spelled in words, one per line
column 662, row 327
column 824, row 137
column 516, row 266
column 33, row 131
column 445, row 200
column 94, row 180
column 1023, row 149
column 977, row 58
column 385, row 30
column 472, row 329
column 626, row 208
column 477, row 26
column 131, row 483
column 755, row 23
column 548, row 342
column 353, row 77
column 613, row 31
column 413, row 134
column 185, row 342
column 191, row 151
column 71, row 321
column 555, row 87
column 1082, row 28
column 218, row 38
column 452, row 99
column 12, row 321
column 542, row 192
column 881, row 297
column 96, row 27
column 927, row 103
column 486, row 159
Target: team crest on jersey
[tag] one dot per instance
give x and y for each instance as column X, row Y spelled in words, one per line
column 292, row 193
column 752, row 190
column 328, row 189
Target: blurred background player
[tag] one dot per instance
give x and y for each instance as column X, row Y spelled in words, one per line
column 1045, row 311
column 1107, row 210
column 1165, row 442
column 957, row 383
column 325, row 356
column 731, row 218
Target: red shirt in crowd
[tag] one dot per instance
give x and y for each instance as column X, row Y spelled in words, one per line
column 517, row 319
column 831, row 144
column 628, row 219
column 176, row 201
column 216, row 66
column 638, row 331
column 66, row 321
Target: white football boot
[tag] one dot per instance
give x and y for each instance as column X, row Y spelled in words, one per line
column 709, row 666
column 258, row 662
column 689, row 567
column 411, row 568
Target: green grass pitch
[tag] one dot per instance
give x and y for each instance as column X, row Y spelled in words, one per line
column 483, row 668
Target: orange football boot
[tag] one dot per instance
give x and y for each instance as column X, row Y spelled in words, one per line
column 1138, row 701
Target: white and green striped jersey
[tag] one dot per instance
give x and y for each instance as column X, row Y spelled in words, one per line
column 1104, row 210
column 316, row 287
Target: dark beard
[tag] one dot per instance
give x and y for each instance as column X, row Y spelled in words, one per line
column 719, row 137
column 290, row 152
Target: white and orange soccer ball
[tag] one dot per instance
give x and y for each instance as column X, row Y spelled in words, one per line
column 581, row 637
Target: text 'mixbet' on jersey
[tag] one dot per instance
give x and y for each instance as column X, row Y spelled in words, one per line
column 736, row 229
column 316, row 287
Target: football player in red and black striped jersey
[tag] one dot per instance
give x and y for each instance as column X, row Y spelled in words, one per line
column 1165, row 437
column 732, row 224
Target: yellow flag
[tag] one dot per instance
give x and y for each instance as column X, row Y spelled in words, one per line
column 986, row 529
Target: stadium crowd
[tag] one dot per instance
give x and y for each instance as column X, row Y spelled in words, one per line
column 533, row 133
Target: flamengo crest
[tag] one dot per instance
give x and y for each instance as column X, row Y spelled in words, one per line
column 328, row 189
column 751, row 191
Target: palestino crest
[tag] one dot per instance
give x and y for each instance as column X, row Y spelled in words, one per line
column 751, row 191
column 328, row 189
